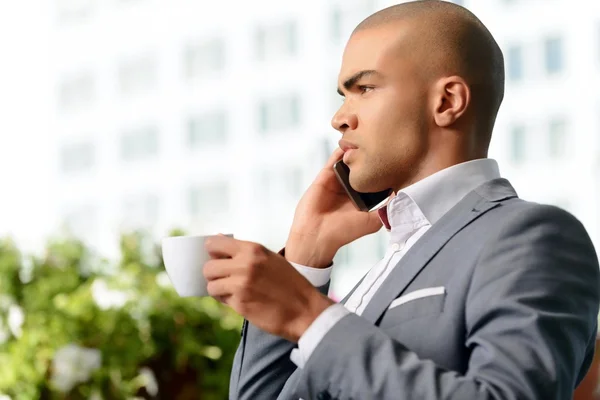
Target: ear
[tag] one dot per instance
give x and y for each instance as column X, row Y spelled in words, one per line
column 452, row 97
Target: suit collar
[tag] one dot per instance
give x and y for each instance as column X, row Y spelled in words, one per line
column 437, row 193
column 475, row 204
column 496, row 190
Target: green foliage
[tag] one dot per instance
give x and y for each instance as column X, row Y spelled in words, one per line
column 76, row 326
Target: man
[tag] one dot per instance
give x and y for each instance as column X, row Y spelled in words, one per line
column 481, row 295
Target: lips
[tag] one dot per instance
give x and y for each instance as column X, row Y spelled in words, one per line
column 346, row 145
column 347, row 154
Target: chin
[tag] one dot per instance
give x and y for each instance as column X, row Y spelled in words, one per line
column 366, row 183
column 355, row 181
column 361, row 183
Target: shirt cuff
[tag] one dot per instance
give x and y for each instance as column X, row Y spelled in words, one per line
column 311, row 338
column 316, row 276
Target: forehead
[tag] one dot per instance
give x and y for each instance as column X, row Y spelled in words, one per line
column 379, row 49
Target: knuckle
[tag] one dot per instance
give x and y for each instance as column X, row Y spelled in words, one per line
column 257, row 250
column 255, row 256
column 210, row 287
column 207, row 269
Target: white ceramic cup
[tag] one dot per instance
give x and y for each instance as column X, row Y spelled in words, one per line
column 184, row 258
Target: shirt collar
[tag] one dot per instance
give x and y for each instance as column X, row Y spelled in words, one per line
column 436, row 194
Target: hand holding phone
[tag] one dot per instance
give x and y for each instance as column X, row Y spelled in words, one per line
column 362, row 201
column 326, row 219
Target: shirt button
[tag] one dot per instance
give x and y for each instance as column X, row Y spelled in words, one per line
column 397, row 247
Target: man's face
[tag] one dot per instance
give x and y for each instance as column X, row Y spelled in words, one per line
column 384, row 113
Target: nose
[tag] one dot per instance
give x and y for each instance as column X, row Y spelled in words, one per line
column 344, row 120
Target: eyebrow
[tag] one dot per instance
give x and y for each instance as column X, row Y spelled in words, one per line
column 350, row 82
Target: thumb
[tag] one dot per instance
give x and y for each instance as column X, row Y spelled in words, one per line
column 374, row 222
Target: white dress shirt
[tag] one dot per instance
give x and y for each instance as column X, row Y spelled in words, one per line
column 409, row 215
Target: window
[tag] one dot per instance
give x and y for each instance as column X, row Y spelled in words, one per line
column 137, row 74
column 74, row 10
column 204, row 58
column 140, row 211
column 557, row 138
column 279, row 113
column 209, row 200
column 553, row 50
column 209, row 128
column 518, row 143
column 337, row 26
column 515, row 63
column 280, row 183
column 76, row 92
column 276, row 41
column 139, row 144
column 76, row 157
column 346, row 15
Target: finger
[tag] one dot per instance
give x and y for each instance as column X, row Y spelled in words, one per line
column 373, row 221
column 221, row 246
column 218, row 268
column 223, row 299
column 334, row 157
column 220, row 288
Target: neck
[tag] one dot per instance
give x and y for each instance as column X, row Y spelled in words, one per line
column 436, row 161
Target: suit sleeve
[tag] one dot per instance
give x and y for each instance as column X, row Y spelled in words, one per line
column 262, row 363
column 531, row 319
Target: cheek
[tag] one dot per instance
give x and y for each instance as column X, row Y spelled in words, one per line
column 398, row 145
column 389, row 111
column 391, row 126
column 396, row 130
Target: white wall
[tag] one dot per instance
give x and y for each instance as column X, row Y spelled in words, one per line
column 41, row 49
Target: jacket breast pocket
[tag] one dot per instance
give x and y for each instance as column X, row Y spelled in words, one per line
column 419, row 303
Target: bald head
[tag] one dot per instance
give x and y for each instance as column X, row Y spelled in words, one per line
column 447, row 39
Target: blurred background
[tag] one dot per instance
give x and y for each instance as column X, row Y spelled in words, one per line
column 145, row 116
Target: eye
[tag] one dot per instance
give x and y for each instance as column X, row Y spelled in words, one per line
column 365, row 89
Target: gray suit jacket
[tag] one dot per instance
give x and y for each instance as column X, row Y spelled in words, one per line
column 517, row 319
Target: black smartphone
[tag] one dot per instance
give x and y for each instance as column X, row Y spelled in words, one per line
column 362, row 201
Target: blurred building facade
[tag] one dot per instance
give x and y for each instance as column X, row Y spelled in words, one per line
column 200, row 116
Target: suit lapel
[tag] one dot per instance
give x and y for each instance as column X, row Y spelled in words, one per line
column 478, row 202
column 475, row 204
column 345, row 299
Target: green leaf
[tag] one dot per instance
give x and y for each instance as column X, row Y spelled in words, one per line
column 187, row 343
